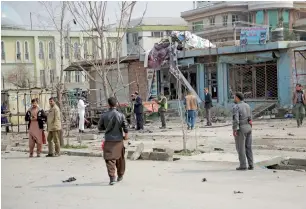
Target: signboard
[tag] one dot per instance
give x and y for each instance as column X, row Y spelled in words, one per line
column 253, row 35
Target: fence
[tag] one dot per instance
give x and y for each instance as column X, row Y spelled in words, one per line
column 255, row 81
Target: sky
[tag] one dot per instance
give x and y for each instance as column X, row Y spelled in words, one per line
column 40, row 15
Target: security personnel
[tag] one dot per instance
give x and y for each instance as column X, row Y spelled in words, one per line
column 162, row 109
column 242, row 131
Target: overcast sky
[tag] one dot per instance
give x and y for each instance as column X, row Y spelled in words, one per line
column 154, row 9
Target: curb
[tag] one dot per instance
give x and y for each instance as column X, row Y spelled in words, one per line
column 66, row 152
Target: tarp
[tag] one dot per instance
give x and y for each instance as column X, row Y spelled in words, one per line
column 192, row 40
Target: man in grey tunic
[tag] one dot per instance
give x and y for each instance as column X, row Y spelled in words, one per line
column 242, row 131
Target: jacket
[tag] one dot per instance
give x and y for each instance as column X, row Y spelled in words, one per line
column 191, row 102
column 54, row 119
column 295, row 97
column 138, row 107
column 41, row 118
column 242, row 115
column 208, row 101
column 163, row 104
column 114, row 123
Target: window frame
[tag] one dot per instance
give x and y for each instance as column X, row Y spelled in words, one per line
column 52, row 76
column 26, row 51
column 77, row 77
column 197, row 26
column 2, row 51
column 18, row 55
column 235, row 18
column 76, row 50
column 212, row 21
column 224, row 17
column 161, row 34
column 51, row 53
column 85, row 47
column 41, row 54
column 67, row 51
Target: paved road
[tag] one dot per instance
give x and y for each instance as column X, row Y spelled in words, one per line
column 37, row 183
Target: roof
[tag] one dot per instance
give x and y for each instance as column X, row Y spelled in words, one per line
column 166, row 21
column 75, row 66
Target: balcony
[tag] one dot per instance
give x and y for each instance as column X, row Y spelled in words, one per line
column 261, row 5
column 300, row 23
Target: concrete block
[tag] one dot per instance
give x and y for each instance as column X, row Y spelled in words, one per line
column 145, row 156
column 166, row 150
column 271, row 162
column 161, row 156
column 296, row 161
column 84, row 137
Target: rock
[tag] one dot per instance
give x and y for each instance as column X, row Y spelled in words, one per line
column 84, row 137
column 300, row 170
column 204, row 180
column 274, row 171
column 296, row 161
column 218, row 149
column 161, row 156
column 291, row 134
column 137, row 152
column 238, row 192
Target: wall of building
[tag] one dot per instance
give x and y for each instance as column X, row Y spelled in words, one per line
column 138, row 73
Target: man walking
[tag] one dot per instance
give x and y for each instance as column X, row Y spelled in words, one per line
column 114, row 123
column 207, row 105
column 299, row 100
column 138, row 110
column 242, row 131
column 54, row 129
column 163, row 106
column 191, row 107
column 132, row 117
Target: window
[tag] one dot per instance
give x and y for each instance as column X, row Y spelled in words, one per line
column 26, row 51
column 85, row 50
column 212, row 20
column 68, row 76
column 259, row 17
column 42, row 78
column 52, row 72
column 85, row 76
column 67, row 50
column 95, row 48
column 157, row 34
column 2, row 51
column 109, row 49
column 77, row 76
column 225, row 17
column 285, row 16
column 18, row 51
column 273, row 18
column 197, row 26
column 41, row 51
column 135, row 38
column 127, row 38
column 51, row 50
column 76, row 50
column 235, row 19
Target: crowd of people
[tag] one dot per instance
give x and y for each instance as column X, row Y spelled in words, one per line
column 115, row 125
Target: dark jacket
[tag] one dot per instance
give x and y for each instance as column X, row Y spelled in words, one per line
column 138, row 107
column 207, row 101
column 114, row 123
column 41, row 118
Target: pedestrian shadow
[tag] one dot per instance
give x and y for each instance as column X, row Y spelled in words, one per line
column 74, row 184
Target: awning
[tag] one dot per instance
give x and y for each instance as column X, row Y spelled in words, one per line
column 249, row 58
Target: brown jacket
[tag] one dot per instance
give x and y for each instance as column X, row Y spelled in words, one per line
column 295, row 97
column 191, row 102
column 54, row 119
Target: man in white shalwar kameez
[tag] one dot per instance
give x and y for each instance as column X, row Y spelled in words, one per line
column 81, row 111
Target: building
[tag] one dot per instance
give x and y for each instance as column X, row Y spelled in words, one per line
column 222, row 21
column 143, row 33
column 32, row 57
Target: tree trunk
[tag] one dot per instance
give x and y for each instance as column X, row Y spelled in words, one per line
column 104, row 75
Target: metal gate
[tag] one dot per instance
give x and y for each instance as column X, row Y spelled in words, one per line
column 255, row 81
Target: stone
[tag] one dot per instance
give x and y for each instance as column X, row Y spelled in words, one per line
column 296, row 161
column 161, row 156
column 166, row 150
column 300, row 170
column 84, row 137
column 137, row 152
column 271, row 162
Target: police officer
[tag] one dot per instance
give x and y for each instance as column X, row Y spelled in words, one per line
column 163, row 106
column 242, row 131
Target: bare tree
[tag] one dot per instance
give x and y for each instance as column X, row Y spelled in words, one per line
column 20, row 77
column 90, row 16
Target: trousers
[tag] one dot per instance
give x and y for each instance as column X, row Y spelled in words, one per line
column 53, row 136
column 191, row 116
column 208, row 115
column 116, row 164
column 163, row 118
column 81, row 120
column 139, row 121
column 244, row 145
column 299, row 113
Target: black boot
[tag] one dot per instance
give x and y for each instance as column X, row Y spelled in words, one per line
column 112, row 181
column 241, row 169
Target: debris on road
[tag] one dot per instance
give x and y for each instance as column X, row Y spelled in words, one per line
column 69, row 180
column 238, row 192
column 204, row 180
column 291, row 134
column 218, row 149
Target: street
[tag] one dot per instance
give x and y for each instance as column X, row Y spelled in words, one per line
column 37, row 183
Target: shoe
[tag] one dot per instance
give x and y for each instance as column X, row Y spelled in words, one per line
column 50, row 155
column 188, row 128
column 38, row 155
column 57, row 154
column 251, row 168
column 112, row 181
column 163, row 127
column 241, row 169
column 31, row 155
column 120, row 178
